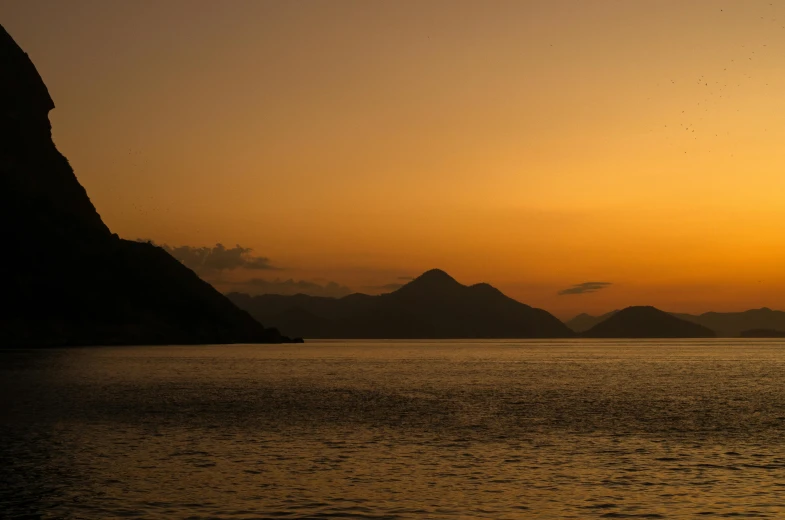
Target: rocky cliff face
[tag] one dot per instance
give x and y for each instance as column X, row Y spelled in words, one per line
column 37, row 181
column 69, row 280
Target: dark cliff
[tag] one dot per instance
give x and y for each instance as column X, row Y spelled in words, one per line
column 69, row 280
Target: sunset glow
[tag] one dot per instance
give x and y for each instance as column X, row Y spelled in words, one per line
column 534, row 145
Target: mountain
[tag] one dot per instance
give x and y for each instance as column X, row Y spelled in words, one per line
column 646, row 322
column 583, row 322
column 69, row 280
column 431, row 306
column 762, row 333
column 732, row 324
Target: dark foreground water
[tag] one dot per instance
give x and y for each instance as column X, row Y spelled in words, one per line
column 396, row 430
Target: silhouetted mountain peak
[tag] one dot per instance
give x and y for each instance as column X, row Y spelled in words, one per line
column 436, row 276
column 641, row 310
column 22, row 88
column 432, row 282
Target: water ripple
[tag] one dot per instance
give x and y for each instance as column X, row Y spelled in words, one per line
column 396, row 431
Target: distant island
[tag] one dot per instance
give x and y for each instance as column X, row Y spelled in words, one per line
column 434, row 305
column 724, row 324
column 646, row 322
column 70, row 281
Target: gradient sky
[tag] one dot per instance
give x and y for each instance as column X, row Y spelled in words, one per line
column 533, row 145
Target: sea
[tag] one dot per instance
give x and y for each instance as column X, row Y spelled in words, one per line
column 396, row 430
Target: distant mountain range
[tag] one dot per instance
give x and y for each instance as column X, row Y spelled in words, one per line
column 724, row 324
column 433, row 305
column 732, row 324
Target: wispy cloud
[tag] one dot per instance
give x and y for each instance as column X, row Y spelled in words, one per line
column 585, row 287
column 290, row 287
column 215, row 259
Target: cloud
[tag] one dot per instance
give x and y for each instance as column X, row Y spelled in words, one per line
column 290, row 287
column 388, row 287
column 585, row 287
column 215, row 259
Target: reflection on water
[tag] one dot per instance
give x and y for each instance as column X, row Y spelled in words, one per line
column 492, row 429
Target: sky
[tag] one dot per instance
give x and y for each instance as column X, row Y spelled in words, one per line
column 580, row 155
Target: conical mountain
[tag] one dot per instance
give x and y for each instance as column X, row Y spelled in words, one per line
column 646, row 322
column 431, row 282
column 70, row 280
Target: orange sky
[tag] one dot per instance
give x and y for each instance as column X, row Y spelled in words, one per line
column 530, row 144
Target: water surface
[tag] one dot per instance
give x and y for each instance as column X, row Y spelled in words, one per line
column 492, row 429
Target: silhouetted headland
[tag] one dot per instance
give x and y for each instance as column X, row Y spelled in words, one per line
column 70, row 280
column 432, row 306
column 646, row 322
